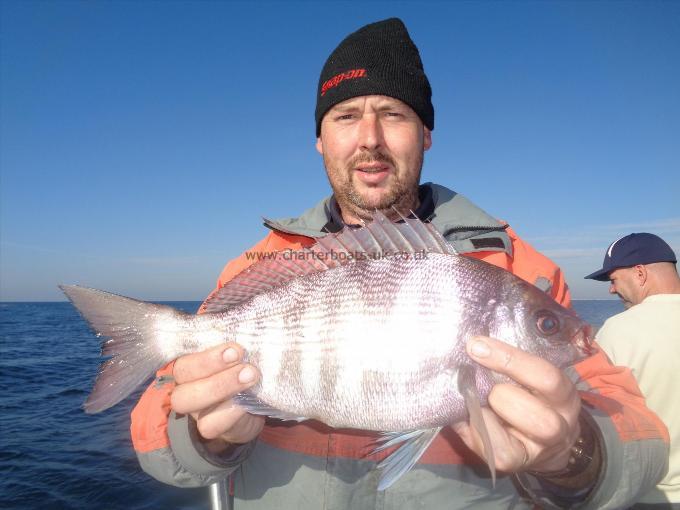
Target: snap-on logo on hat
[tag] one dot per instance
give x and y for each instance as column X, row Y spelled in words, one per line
column 347, row 75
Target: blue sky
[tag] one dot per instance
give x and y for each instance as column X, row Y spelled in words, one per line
column 141, row 142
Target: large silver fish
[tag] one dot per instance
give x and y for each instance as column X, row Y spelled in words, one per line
column 366, row 329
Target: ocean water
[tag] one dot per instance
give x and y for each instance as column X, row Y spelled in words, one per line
column 52, row 454
column 595, row 312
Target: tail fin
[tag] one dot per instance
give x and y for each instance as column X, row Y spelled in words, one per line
column 138, row 345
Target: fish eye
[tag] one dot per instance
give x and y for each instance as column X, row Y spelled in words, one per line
column 547, row 323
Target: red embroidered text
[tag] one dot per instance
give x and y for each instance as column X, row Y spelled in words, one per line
column 347, row 75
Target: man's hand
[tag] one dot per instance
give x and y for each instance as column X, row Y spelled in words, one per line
column 533, row 426
column 206, row 382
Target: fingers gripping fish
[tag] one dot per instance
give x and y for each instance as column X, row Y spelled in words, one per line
column 331, row 330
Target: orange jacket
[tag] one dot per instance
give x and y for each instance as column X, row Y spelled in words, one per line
column 610, row 391
column 149, row 417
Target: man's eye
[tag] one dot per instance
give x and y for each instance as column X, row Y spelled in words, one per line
column 346, row 116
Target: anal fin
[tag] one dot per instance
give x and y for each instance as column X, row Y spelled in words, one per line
column 403, row 459
column 468, row 388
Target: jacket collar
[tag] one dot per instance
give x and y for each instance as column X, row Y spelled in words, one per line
column 455, row 217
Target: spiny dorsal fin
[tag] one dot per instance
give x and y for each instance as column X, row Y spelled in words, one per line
column 378, row 238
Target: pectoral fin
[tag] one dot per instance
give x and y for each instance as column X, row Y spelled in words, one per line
column 403, row 459
column 468, row 388
column 254, row 405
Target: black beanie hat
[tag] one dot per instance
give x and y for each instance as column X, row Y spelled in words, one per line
column 378, row 59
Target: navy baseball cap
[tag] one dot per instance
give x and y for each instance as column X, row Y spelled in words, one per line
column 631, row 250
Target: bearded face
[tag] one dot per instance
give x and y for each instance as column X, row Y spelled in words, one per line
column 374, row 180
column 373, row 152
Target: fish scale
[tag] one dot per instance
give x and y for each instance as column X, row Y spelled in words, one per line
column 343, row 311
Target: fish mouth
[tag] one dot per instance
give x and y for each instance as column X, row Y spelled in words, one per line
column 583, row 340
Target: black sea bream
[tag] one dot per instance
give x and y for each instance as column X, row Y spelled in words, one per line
column 366, row 329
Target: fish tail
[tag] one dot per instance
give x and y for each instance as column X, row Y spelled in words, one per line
column 138, row 344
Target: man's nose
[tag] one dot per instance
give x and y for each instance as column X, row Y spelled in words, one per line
column 370, row 133
column 612, row 288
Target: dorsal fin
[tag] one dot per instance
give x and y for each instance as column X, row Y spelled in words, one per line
column 378, row 238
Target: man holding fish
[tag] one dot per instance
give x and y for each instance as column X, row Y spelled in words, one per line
column 559, row 435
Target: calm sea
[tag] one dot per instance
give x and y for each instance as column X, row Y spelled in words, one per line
column 52, row 455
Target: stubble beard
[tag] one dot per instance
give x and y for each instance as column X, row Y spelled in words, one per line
column 402, row 194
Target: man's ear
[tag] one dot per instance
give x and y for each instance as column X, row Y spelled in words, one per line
column 319, row 145
column 640, row 274
column 427, row 138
